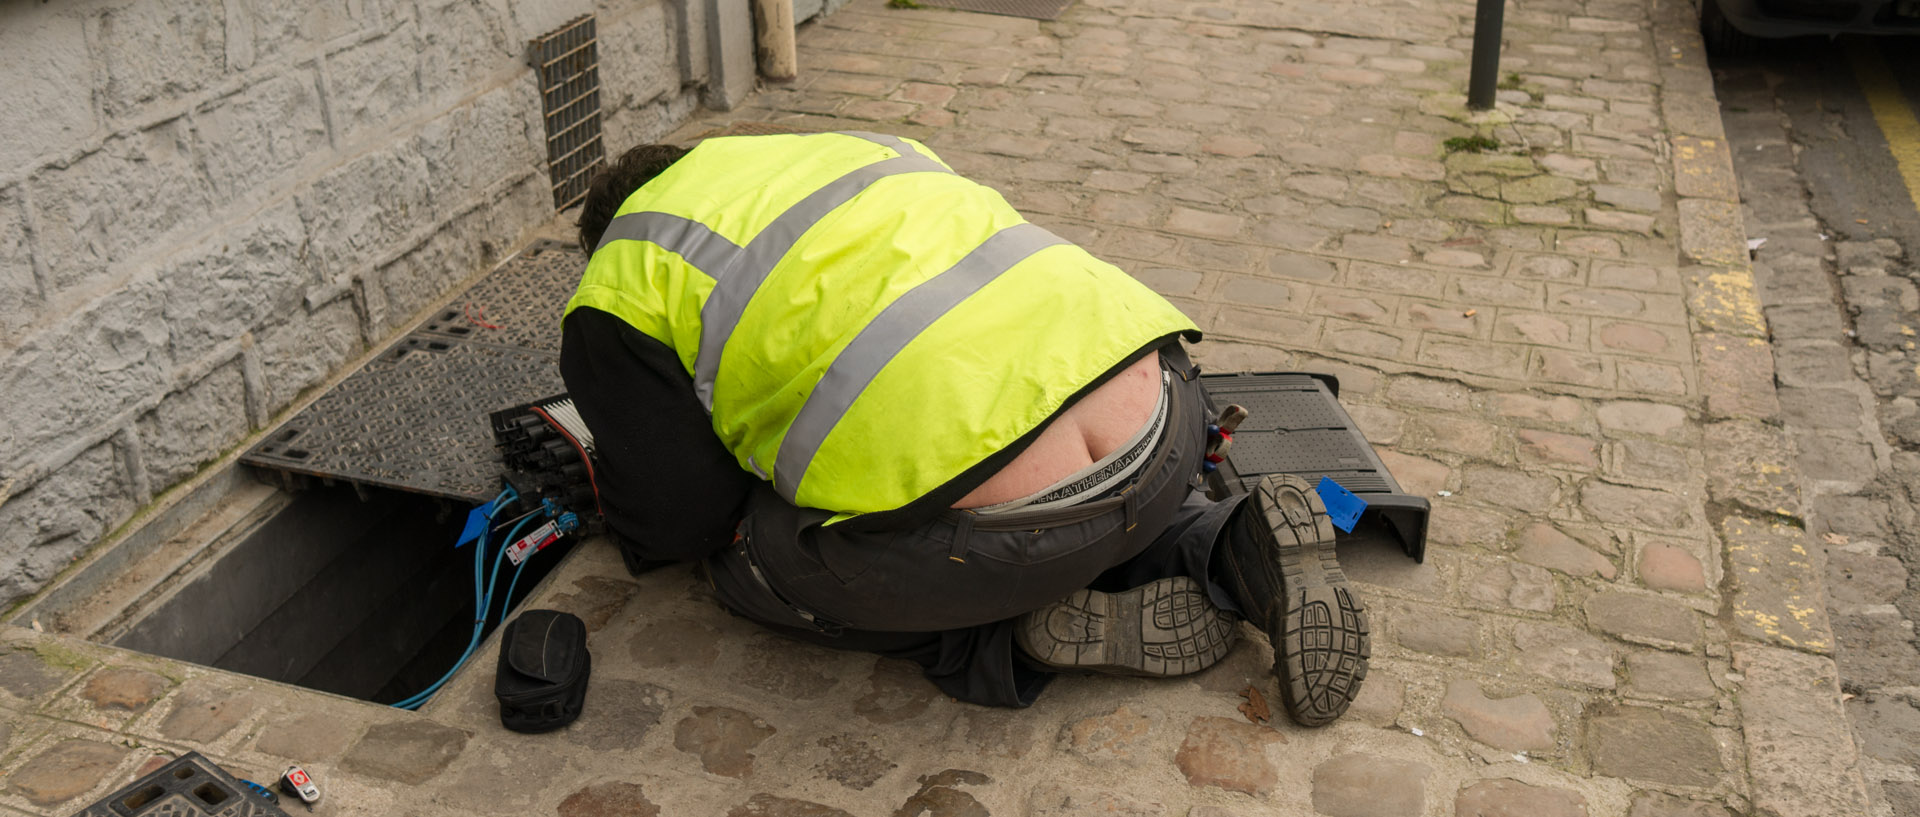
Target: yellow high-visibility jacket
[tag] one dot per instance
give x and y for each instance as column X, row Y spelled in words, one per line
column 863, row 324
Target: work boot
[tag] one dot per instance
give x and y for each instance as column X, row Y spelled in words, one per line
column 1276, row 560
column 1163, row 628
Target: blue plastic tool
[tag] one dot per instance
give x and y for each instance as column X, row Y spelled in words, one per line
column 1342, row 506
column 477, row 520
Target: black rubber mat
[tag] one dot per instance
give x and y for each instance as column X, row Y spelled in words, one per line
column 415, row 416
column 1295, row 425
column 1031, row 9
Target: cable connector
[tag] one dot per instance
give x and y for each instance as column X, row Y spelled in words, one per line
column 547, row 443
column 562, row 523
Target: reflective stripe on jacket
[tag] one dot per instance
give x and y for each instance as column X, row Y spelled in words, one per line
column 863, row 324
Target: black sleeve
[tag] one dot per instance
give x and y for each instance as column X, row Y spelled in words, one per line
column 670, row 491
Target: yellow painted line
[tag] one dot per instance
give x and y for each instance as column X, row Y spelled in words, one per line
column 1897, row 121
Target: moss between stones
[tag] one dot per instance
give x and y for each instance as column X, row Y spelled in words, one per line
column 1471, row 144
column 54, row 654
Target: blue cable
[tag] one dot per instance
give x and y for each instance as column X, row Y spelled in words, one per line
column 480, row 547
column 483, row 600
column 506, row 602
column 262, row 792
column 567, row 523
column 479, row 552
column 493, row 576
column 484, row 606
column 479, row 602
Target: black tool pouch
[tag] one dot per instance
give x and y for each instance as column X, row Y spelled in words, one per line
column 542, row 678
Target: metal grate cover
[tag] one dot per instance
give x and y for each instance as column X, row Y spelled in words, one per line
column 568, row 64
column 1031, row 9
column 519, row 304
column 415, row 417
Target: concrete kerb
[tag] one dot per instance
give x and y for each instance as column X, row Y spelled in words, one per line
column 1774, row 597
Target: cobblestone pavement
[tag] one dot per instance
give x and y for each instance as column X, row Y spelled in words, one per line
column 1839, row 295
column 1559, row 342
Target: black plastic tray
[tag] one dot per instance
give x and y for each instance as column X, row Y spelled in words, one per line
column 1295, row 425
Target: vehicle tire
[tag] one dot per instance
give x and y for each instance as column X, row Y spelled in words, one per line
column 1723, row 40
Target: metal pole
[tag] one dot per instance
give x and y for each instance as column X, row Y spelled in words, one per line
column 1487, row 22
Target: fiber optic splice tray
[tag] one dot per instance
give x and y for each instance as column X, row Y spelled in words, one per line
column 1295, row 425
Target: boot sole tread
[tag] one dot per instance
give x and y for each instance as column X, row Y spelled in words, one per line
column 1321, row 642
column 1161, row 629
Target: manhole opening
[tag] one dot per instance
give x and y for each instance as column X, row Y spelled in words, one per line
column 354, row 590
column 326, row 558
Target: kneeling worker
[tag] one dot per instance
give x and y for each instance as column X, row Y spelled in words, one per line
column 885, row 413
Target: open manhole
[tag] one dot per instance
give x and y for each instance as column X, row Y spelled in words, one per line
column 328, row 559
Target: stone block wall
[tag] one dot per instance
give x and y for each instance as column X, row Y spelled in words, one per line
column 207, row 208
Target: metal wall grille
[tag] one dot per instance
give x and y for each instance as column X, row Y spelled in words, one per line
column 568, row 64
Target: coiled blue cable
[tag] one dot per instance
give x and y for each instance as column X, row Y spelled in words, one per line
column 485, row 603
column 482, row 597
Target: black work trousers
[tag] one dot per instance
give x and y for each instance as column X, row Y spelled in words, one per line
column 945, row 593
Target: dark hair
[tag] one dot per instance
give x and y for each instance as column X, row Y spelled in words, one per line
column 612, row 185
